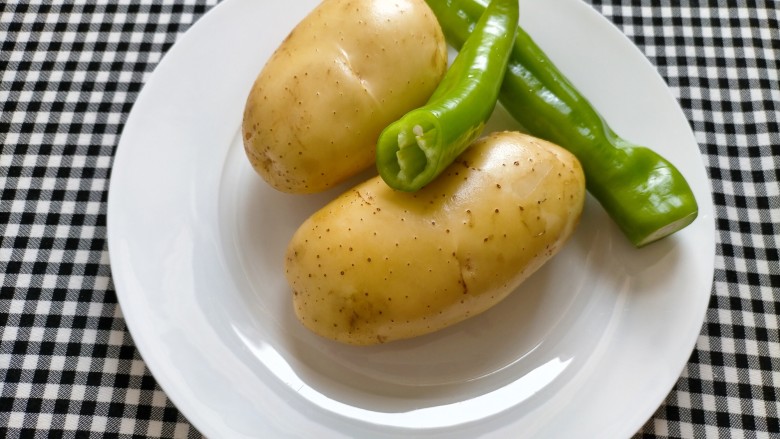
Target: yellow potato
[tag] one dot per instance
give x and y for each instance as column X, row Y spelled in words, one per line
column 376, row 265
column 343, row 74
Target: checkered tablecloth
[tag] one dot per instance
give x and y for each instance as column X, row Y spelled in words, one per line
column 70, row 74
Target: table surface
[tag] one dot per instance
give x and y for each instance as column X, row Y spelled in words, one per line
column 70, row 74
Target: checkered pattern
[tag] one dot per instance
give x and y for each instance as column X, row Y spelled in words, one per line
column 723, row 65
column 70, row 74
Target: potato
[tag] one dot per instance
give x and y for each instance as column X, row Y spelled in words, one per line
column 376, row 265
column 347, row 70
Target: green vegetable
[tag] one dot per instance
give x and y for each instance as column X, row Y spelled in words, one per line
column 412, row 151
column 643, row 192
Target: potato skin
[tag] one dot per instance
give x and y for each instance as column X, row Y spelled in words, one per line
column 346, row 71
column 377, row 265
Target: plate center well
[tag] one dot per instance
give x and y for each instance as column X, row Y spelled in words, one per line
column 520, row 337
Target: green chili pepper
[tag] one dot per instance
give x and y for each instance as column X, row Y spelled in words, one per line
column 643, row 192
column 412, row 151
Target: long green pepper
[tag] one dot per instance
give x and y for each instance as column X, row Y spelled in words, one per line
column 641, row 191
column 412, row 151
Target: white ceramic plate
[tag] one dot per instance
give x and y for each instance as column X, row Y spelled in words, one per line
column 589, row 347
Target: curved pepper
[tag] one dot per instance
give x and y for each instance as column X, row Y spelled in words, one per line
column 412, row 151
column 641, row 191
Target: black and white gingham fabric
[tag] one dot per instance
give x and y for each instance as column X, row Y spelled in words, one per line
column 70, row 74
column 723, row 63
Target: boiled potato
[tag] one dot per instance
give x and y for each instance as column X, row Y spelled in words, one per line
column 345, row 72
column 376, row 265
